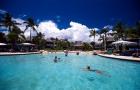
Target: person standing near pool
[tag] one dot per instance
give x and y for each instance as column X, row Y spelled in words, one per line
column 66, row 52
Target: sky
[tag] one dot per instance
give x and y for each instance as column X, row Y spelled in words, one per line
column 65, row 14
column 93, row 13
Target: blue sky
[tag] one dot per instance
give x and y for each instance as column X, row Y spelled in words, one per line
column 93, row 13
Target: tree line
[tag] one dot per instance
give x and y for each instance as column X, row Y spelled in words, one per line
column 119, row 31
column 16, row 35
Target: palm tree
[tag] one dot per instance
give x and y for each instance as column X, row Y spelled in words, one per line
column 87, row 46
column 104, row 37
column 138, row 28
column 2, row 37
column 40, row 35
column 20, row 34
column 130, row 33
column 7, row 22
column 37, row 39
column 31, row 24
column 119, row 28
column 16, row 35
column 93, row 33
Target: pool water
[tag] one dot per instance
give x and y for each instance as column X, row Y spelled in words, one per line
column 39, row 72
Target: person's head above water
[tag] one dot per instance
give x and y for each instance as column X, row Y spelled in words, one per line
column 88, row 67
column 55, row 59
column 55, row 56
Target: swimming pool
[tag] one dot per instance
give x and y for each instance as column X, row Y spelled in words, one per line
column 39, row 72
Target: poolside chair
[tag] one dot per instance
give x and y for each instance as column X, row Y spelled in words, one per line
column 135, row 55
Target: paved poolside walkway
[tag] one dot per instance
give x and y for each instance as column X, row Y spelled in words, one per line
column 130, row 58
column 17, row 53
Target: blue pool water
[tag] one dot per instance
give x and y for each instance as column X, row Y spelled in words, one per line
column 39, row 72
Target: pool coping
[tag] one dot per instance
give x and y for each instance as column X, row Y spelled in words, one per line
column 128, row 58
column 17, row 53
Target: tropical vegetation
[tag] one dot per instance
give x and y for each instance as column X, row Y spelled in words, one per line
column 16, row 35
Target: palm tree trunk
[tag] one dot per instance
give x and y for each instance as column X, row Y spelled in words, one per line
column 105, row 42
column 30, row 36
column 94, row 38
column 94, row 42
column 9, row 28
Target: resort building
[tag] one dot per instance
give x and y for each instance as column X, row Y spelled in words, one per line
column 50, row 43
column 78, row 45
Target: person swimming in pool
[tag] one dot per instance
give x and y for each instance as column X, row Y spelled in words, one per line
column 77, row 53
column 55, row 59
column 66, row 53
column 88, row 68
column 59, row 59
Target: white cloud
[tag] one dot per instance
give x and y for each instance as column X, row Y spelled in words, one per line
column 76, row 31
column 24, row 15
column 4, row 30
column 2, row 11
column 48, row 28
column 96, row 29
column 110, row 27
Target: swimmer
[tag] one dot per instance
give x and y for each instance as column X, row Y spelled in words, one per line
column 55, row 59
column 59, row 59
column 66, row 53
column 93, row 70
column 77, row 53
column 88, row 68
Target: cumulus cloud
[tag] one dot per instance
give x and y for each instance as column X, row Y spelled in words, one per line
column 76, row 31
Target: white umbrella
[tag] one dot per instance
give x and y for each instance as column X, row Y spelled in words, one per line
column 2, row 44
column 111, row 32
column 98, row 42
column 27, row 44
column 124, row 42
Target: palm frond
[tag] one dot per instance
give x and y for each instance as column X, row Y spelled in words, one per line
column 26, row 28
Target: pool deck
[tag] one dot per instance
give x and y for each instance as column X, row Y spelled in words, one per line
column 129, row 58
column 17, row 53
